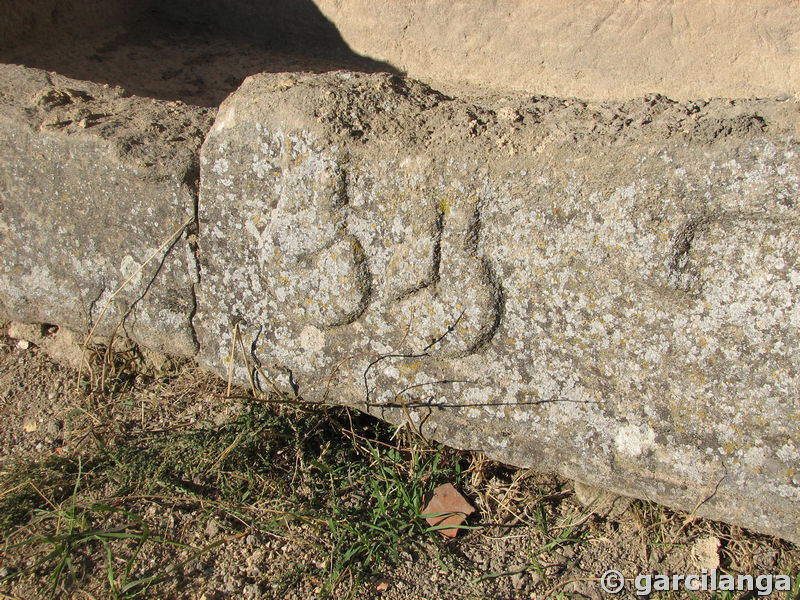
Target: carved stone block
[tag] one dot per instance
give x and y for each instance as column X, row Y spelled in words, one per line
column 607, row 291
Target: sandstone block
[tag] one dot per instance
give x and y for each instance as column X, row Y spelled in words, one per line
column 600, row 50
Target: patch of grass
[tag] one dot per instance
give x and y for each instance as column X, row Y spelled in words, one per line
column 239, row 461
column 66, row 532
column 573, row 530
column 352, row 477
column 343, row 473
column 371, row 520
column 559, row 535
column 23, row 482
column 364, row 492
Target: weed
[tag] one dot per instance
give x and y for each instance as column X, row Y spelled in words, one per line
column 69, row 530
column 22, row 484
column 370, row 525
column 233, row 462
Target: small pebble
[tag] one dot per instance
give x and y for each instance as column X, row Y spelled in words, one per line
column 54, row 427
column 212, row 528
column 517, row 579
column 251, row 592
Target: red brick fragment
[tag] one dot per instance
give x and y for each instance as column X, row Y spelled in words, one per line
column 449, row 508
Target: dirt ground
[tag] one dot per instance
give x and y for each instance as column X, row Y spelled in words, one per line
column 146, row 478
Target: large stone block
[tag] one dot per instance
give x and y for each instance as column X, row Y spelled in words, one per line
column 609, row 291
column 92, row 183
column 598, row 49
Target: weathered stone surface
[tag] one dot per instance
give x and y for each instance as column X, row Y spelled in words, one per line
column 92, row 183
column 609, row 291
column 601, row 49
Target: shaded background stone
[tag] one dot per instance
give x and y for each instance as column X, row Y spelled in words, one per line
column 199, row 51
column 196, row 52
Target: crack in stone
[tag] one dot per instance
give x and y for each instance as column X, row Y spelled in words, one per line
column 192, row 182
column 193, row 252
column 92, row 303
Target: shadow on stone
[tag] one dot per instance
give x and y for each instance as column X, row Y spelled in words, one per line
column 196, row 52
